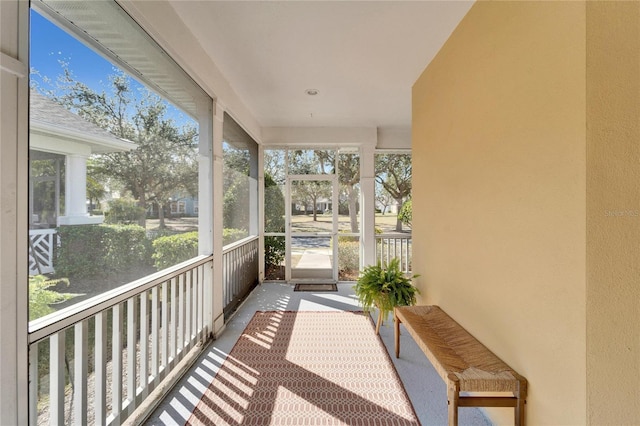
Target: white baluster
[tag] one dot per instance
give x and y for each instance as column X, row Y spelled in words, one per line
column 80, row 372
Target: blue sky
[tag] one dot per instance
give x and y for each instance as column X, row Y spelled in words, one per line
column 50, row 46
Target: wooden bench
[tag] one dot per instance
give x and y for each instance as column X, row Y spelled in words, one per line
column 464, row 363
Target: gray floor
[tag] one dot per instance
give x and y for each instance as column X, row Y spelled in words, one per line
column 425, row 388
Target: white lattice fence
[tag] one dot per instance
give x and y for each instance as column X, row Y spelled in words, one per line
column 41, row 243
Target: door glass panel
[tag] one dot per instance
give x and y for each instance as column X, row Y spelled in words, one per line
column 311, row 229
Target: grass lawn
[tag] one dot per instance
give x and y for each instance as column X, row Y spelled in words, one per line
column 305, row 223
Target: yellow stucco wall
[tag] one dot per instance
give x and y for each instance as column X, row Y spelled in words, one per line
column 499, row 188
column 613, row 213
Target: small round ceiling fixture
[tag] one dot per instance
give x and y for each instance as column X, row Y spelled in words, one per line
column 312, row 92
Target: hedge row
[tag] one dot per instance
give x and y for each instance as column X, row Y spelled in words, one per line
column 95, row 250
column 90, row 250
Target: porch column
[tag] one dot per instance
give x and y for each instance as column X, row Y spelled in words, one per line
column 254, row 179
column 261, row 213
column 14, row 166
column 205, row 201
column 75, row 210
column 218, row 196
column 367, row 206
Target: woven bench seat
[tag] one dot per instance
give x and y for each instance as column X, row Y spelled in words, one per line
column 464, row 363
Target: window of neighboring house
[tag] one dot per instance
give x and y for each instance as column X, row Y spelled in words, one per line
column 240, row 169
column 178, row 207
column 195, row 207
column 109, row 145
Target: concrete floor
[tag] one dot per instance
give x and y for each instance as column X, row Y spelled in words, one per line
column 424, row 386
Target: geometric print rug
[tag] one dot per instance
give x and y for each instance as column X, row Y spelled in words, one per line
column 306, row 368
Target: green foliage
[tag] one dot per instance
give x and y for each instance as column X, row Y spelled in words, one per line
column 125, row 246
column 274, row 251
column 40, row 297
column 95, row 250
column 406, row 213
column 274, row 247
column 235, row 212
column 393, row 173
column 165, row 159
column 124, row 211
column 385, row 288
column 348, row 255
column 80, row 253
column 171, row 250
column 273, row 206
column 231, row 235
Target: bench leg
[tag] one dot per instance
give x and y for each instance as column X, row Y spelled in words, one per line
column 453, row 393
column 519, row 409
column 396, row 334
column 379, row 322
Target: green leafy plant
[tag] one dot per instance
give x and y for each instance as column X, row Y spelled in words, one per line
column 406, row 213
column 95, row 250
column 231, row 235
column 384, row 288
column 171, row 250
column 124, row 211
column 41, row 297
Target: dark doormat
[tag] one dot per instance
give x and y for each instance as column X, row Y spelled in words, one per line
column 315, row 287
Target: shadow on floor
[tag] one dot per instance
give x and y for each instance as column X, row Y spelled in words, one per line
column 424, row 386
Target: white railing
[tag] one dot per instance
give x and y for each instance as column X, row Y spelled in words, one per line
column 239, row 271
column 96, row 361
column 389, row 246
column 41, row 243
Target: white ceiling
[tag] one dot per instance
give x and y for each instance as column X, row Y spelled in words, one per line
column 362, row 56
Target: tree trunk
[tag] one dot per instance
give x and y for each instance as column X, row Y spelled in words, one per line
column 142, row 203
column 353, row 208
column 161, row 224
column 315, row 210
column 398, row 221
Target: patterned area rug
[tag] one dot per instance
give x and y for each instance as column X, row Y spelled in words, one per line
column 306, row 368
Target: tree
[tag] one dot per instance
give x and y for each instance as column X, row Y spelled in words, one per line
column 236, row 212
column 165, row 160
column 310, row 192
column 274, row 221
column 406, row 213
column 349, row 178
column 383, row 197
column 393, row 172
column 348, row 173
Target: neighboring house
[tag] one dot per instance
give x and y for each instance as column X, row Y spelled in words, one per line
column 179, row 206
column 61, row 142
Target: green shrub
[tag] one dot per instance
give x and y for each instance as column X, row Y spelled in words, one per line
column 40, row 297
column 171, row 250
column 231, row 235
column 274, row 251
column 348, row 255
column 81, row 251
column 124, row 211
column 406, row 213
column 125, row 246
column 95, row 250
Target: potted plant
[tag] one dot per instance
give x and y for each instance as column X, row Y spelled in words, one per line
column 385, row 288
